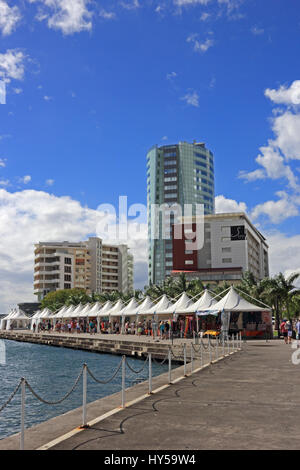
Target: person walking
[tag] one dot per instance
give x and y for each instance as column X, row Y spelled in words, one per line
column 298, row 332
column 161, row 329
column 289, row 328
column 284, row 331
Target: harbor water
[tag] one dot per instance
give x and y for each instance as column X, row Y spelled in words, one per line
column 52, row 371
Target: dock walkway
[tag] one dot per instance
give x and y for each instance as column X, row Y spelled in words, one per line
column 249, row 400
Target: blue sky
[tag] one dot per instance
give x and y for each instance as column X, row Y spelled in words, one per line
column 92, row 85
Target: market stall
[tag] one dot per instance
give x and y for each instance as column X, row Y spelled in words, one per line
column 239, row 315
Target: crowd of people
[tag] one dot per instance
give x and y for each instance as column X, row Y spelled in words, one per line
column 150, row 327
column 290, row 330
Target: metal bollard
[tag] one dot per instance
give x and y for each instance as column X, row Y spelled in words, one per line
column 150, row 372
column 227, row 339
column 123, row 380
column 192, row 358
column 23, row 390
column 217, row 350
column 223, row 344
column 209, row 348
column 170, row 365
column 184, row 359
column 84, row 392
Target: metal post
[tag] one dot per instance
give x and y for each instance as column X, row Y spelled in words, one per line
column 240, row 340
column 150, row 372
column 223, row 344
column 209, row 348
column 123, row 381
column 228, row 344
column 194, row 338
column 192, row 358
column 84, row 380
column 232, row 341
column 170, row 365
column 184, row 359
column 201, row 352
column 23, row 389
column 217, row 345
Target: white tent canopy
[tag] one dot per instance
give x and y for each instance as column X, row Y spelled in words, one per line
column 206, row 301
column 60, row 312
column 160, row 307
column 18, row 319
column 144, row 307
column 130, row 308
column 181, row 305
column 93, row 310
column 104, row 311
column 233, row 302
column 115, row 310
column 4, row 320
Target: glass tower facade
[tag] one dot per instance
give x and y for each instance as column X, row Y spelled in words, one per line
column 176, row 174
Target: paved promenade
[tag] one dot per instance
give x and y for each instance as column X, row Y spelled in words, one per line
column 250, row 400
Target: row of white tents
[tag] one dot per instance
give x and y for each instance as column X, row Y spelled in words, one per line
column 163, row 308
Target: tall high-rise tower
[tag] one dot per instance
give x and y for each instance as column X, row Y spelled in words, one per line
column 176, row 174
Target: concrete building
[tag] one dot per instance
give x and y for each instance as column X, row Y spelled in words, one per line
column 232, row 245
column 89, row 265
column 176, row 174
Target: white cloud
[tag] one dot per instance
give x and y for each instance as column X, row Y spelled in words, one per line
column 17, row 91
column 257, row 31
column 223, row 204
column 199, row 46
column 191, row 98
column 25, row 179
column 182, row 3
column 48, row 98
column 107, row 15
column 285, row 95
column 12, row 65
column 277, row 211
column 2, row 162
column 29, row 216
column 284, row 252
column 204, row 16
column 286, row 142
column 131, row 6
column 50, row 182
column 9, row 17
column 171, row 75
column 4, row 183
column 69, row 16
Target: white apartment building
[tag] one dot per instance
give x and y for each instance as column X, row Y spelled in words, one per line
column 89, row 265
column 232, row 245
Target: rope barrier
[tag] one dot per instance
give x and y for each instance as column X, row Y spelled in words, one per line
column 136, row 371
column 180, row 355
column 58, row 401
column 104, row 382
column 11, row 396
column 161, row 363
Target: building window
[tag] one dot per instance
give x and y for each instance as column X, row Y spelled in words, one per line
column 67, row 286
column 68, row 269
column 226, row 250
column 68, row 261
column 227, row 260
column 188, row 261
column 67, row 277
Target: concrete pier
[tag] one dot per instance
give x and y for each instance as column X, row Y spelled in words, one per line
column 129, row 345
